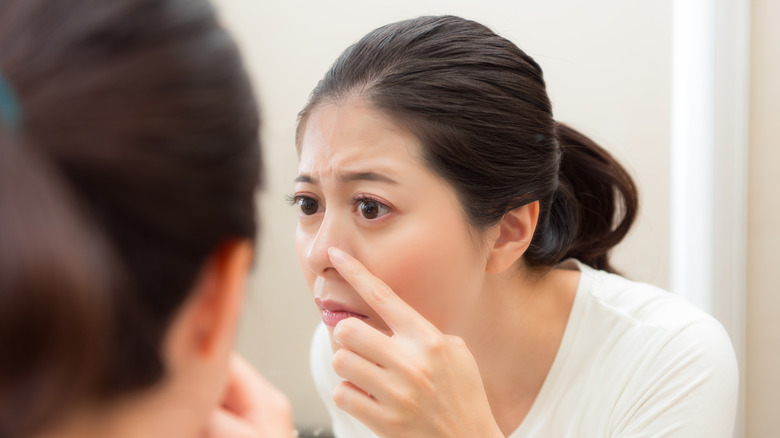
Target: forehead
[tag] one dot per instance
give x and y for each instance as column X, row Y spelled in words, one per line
column 354, row 134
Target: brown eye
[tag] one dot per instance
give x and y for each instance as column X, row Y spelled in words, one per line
column 371, row 209
column 309, row 206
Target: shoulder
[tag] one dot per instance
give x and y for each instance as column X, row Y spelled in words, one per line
column 681, row 358
column 665, row 323
column 642, row 303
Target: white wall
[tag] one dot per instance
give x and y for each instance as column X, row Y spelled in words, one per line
column 607, row 65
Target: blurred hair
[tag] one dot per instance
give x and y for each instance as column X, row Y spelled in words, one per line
column 136, row 156
column 480, row 108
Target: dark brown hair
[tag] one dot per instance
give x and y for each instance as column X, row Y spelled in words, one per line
column 480, row 108
column 136, row 156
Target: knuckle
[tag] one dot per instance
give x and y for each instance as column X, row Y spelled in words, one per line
column 345, row 330
column 341, row 397
column 456, row 341
column 395, row 423
column 423, row 380
column 382, row 293
column 406, row 397
column 436, row 344
column 340, row 361
column 351, row 270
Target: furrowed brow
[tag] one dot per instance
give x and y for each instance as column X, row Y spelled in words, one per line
column 306, row 179
column 349, row 177
column 366, row 176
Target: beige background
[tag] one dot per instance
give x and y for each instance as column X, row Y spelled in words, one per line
column 763, row 300
column 607, row 65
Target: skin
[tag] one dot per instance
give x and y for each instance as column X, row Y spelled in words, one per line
column 454, row 335
column 209, row 391
column 250, row 407
column 352, row 139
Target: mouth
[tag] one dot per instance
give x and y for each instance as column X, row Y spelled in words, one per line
column 333, row 312
column 331, row 318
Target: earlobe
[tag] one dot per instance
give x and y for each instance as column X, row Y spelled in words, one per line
column 515, row 232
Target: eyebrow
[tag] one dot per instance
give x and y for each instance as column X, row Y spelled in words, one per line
column 349, row 177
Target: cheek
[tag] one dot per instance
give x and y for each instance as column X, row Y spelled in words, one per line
column 303, row 241
column 435, row 269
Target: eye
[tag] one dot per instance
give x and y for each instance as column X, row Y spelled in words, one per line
column 307, row 204
column 371, row 208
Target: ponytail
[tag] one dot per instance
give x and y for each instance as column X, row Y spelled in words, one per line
column 598, row 196
column 54, row 313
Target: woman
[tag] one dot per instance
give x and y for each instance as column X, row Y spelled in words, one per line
column 456, row 239
column 129, row 162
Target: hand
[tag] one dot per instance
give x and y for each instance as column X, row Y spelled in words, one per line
column 418, row 382
column 251, row 407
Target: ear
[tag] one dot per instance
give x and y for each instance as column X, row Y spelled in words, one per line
column 205, row 327
column 511, row 237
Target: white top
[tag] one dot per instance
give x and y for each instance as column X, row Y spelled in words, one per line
column 635, row 361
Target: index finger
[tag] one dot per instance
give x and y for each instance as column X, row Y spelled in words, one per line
column 398, row 315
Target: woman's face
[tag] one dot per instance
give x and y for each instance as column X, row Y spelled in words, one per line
column 362, row 187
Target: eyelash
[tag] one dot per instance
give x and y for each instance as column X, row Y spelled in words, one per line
column 356, row 200
column 295, row 200
column 292, row 199
column 359, row 199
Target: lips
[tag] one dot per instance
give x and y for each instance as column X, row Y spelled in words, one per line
column 333, row 312
column 331, row 318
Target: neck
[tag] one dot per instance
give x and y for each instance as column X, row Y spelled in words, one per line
column 516, row 335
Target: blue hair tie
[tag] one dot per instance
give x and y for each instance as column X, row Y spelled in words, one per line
column 10, row 112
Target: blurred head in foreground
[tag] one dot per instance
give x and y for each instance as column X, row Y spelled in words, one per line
column 129, row 160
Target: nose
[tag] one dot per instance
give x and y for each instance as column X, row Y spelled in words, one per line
column 331, row 232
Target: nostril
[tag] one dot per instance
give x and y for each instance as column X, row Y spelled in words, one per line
column 328, row 271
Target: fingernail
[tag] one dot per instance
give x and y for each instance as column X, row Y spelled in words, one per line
column 336, row 255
